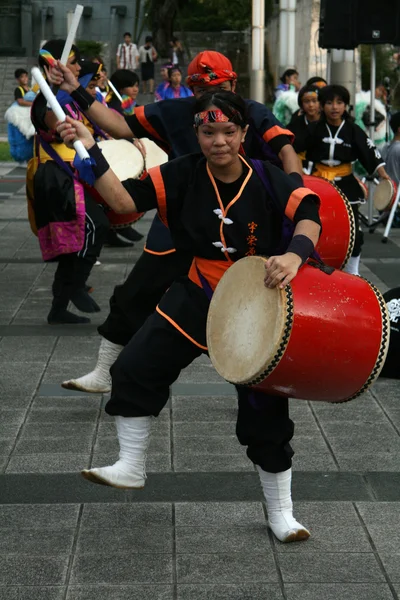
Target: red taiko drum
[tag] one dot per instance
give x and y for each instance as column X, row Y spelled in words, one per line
column 338, row 227
column 324, row 337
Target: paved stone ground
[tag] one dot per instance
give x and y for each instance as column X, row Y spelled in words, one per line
column 198, row 530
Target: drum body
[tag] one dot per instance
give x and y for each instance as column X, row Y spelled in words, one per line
column 127, row 162
column 324, row 337
column 338, row 227
column 385, row 195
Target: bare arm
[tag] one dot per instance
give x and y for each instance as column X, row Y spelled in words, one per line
column 382, row 172
column 23, row 102
column 109, row 120
column 290, row 160
column 108, row 185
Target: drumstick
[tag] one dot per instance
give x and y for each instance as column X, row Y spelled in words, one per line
column 71, row 34
column 114, row 89
column 56, row 108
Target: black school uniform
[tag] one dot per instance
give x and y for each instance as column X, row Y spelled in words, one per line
column 332, row 150
column 299, row 127
column 218, row 223
column 170, row 125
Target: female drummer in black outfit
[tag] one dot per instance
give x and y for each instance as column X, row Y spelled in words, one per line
column 215, row 205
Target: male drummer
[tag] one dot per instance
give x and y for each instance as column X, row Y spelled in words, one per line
column 169, row 124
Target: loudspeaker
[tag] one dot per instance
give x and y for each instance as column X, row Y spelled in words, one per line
column 336, row 24
column 377, row 22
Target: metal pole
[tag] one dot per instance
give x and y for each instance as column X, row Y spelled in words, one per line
column 328, row 66
column 283, row 47
column 372, row 125
column 257, row 83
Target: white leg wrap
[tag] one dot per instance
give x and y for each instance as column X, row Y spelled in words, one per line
column 97, row 381
column 130, row 470
column 353, row 265
column 277, row 492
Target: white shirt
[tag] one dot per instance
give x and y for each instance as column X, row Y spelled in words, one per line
column 127, row 56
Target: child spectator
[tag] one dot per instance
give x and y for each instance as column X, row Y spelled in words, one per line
column 21, row 76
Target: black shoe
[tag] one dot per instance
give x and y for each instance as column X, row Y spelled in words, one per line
column 113, row 239
column 89, row 288
column 64, row 317
column 128, row 233
column 84, row 302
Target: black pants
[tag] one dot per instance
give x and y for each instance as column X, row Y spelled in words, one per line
column 359, row 238
column 152, row 362
column 74, row 269
column 136, row 299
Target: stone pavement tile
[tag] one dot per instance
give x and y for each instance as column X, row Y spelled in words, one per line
column 387, row 392
column 45, row 438
column 364, row 409
column 6, row 446
column 11, row 303
column 38, row 570
column 394, row 417
column 247, row 591
column 36, row 541
column 304, row 461
column 119, row 569
column 3, row 462
column 205, row 445
column 58, row 372
column 203, row 428
column 39, row 516
column 383, row 439
column 198, row 408
column 6, row 316
column 20, row 378
column 363, row 461
column 397, row 589
column 126, row 515
column 226, row 568
column 201, row 463
column 336, row 591
column 21, row 272
column 48, row 463
column 13, row 402
column 120, row 592
column 386, row 486
column 200, row 374
column 227, row 539
column 26, row 349
column 391, row 563
column 129, row 540
column 66, row 415
column 207, row 514
column 71, row 350
column 343, row 567
column 32, row 592
column 61, row 403
column 357, row 430
column 155, row 463
column 379, row 514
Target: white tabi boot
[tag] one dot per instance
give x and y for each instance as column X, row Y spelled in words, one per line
column 130, row 470
column 277, row 492
column 352, row 265
column 97, row 381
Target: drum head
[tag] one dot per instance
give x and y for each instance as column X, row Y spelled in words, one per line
column 383, row 194
column 154, row 155
column 246, row 322
column 124, row 158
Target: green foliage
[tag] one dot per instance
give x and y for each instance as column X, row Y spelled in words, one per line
column 216, row 15
column 385, row 65
column 90, row 48
column 5, row 152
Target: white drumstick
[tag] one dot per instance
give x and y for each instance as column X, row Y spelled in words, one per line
column 71, row 34
column 56, row 108
column 114, row 89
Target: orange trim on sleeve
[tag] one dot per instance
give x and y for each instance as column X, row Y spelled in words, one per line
column 158, row 182
column 174, row 324
column 145, row 249
column 276, row 130
column 295, row 199
column 141, row 117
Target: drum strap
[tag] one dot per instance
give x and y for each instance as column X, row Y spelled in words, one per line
column 206, row 286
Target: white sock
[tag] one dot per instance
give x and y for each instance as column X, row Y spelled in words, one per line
column 130, row 469
column 98, row 380
column 277, row 492
column 353, row 265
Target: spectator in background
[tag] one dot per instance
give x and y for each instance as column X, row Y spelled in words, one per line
column 158, row 94
column 393, row 152
column 176, row 52
column 317, row 82
column 289, row 81
column 127, row 84
column 127, row 54
column 147, row 57
column 21, row 76
column 102, row 83
column 174, row 89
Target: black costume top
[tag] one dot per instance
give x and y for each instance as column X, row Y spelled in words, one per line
column 170, row 125
column 217, row 222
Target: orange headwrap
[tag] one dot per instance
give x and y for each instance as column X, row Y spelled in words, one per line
column 210, row 68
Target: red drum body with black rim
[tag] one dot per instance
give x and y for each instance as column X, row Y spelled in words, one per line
column 127, row 162
column 324, row 337
column 338, row 226
column 385, row 195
